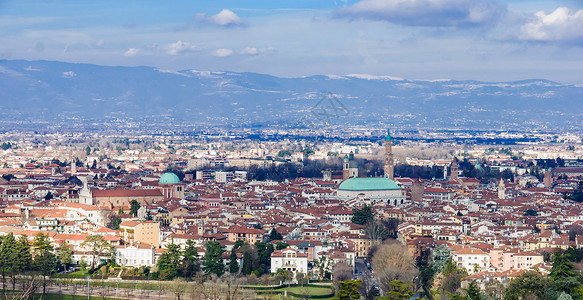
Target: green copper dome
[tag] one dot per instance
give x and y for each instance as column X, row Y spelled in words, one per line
column 169, row 178
column 368, row 184
column 388, row 138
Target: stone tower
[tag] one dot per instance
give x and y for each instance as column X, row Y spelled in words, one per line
column 350, row 168
column 453, row 170
column 548, row 180
column 417, row 190
column 73, row 167
column 501, row 189
column 389, row 163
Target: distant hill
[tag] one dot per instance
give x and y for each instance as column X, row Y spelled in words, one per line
column 45, row 90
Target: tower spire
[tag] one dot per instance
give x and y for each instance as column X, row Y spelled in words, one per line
column 389, row 164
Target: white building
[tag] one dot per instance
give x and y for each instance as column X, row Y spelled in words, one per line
column 289, row 259
column 135, row 255
column 473, row 260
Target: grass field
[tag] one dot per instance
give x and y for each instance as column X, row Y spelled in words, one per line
column 324, row 290
column 67, row 297
column 298, row 292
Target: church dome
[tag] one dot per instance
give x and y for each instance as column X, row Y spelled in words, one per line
column 368, row 184
column 169, row 178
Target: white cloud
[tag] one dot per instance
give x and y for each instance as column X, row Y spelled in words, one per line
column 223, row 52
column 453, row 13
column 253, row 51
column 561, row 25
column 224, row 18
column 131, row 52
column 69, row 74
column 180, row 47
column 99, row 43
column 249, row 51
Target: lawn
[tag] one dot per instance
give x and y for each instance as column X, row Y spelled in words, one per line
column 324, row 290
column 67, row 297
column 298, row 291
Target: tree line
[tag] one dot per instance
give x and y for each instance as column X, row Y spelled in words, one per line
column 185, row 263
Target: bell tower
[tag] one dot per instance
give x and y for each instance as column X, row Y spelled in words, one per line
column 454, row 170
column 389, row 163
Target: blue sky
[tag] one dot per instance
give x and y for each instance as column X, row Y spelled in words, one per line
column 491, row 40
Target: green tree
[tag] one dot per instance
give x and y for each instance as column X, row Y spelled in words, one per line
column 247, row 267
column 99, row 248
column 531, row 212
column 473, row 291
column 134, row 207
column 65, row 255
column 264, row 255
column 7, row 258
column 572, row 254
column 190, row 263
column 44, row 259
column 451, row 281
column 283, row 153
column 363, row 215
column 169, row 262
column 281, row 245
column 239, row 244
column 399, row 290
column 275, row 236
column 348, row 290
column 563, row 275
column 528, row 284
column 23, row 261
column 115, row 221
column 562, row 267
column 5, row 146
column 213, row 259
column 233, row 263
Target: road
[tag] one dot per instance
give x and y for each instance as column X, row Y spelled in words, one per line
column 361, row 271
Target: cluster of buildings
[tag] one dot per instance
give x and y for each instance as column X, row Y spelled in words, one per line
column 492, row 230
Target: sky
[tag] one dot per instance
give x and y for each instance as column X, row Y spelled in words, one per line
column 487, row 40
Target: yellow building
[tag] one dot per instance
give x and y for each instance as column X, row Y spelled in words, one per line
column 136, row 231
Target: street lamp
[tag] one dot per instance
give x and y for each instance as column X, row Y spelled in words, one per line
column 88, row 292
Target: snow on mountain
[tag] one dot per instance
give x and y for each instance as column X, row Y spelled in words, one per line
column 45, row 90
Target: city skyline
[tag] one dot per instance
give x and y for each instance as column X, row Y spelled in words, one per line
column 461, row 39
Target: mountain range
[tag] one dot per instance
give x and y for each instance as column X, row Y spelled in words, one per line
column 50, row 91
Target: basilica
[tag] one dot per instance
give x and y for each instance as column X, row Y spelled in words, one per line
column 370, row 190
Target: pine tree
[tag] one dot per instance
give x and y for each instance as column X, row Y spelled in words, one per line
column 247, row 264
column 23, row 262
column 169, row 262
column 65, row 254
column 275, row 236
column 134, row 207
column 4, row 261
column 399, row 290
column 233, row 263
column 190, row 262
column 562, row 267
column 44, row 259
column 213, row 259
column 473, row 291
column 348, row 290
